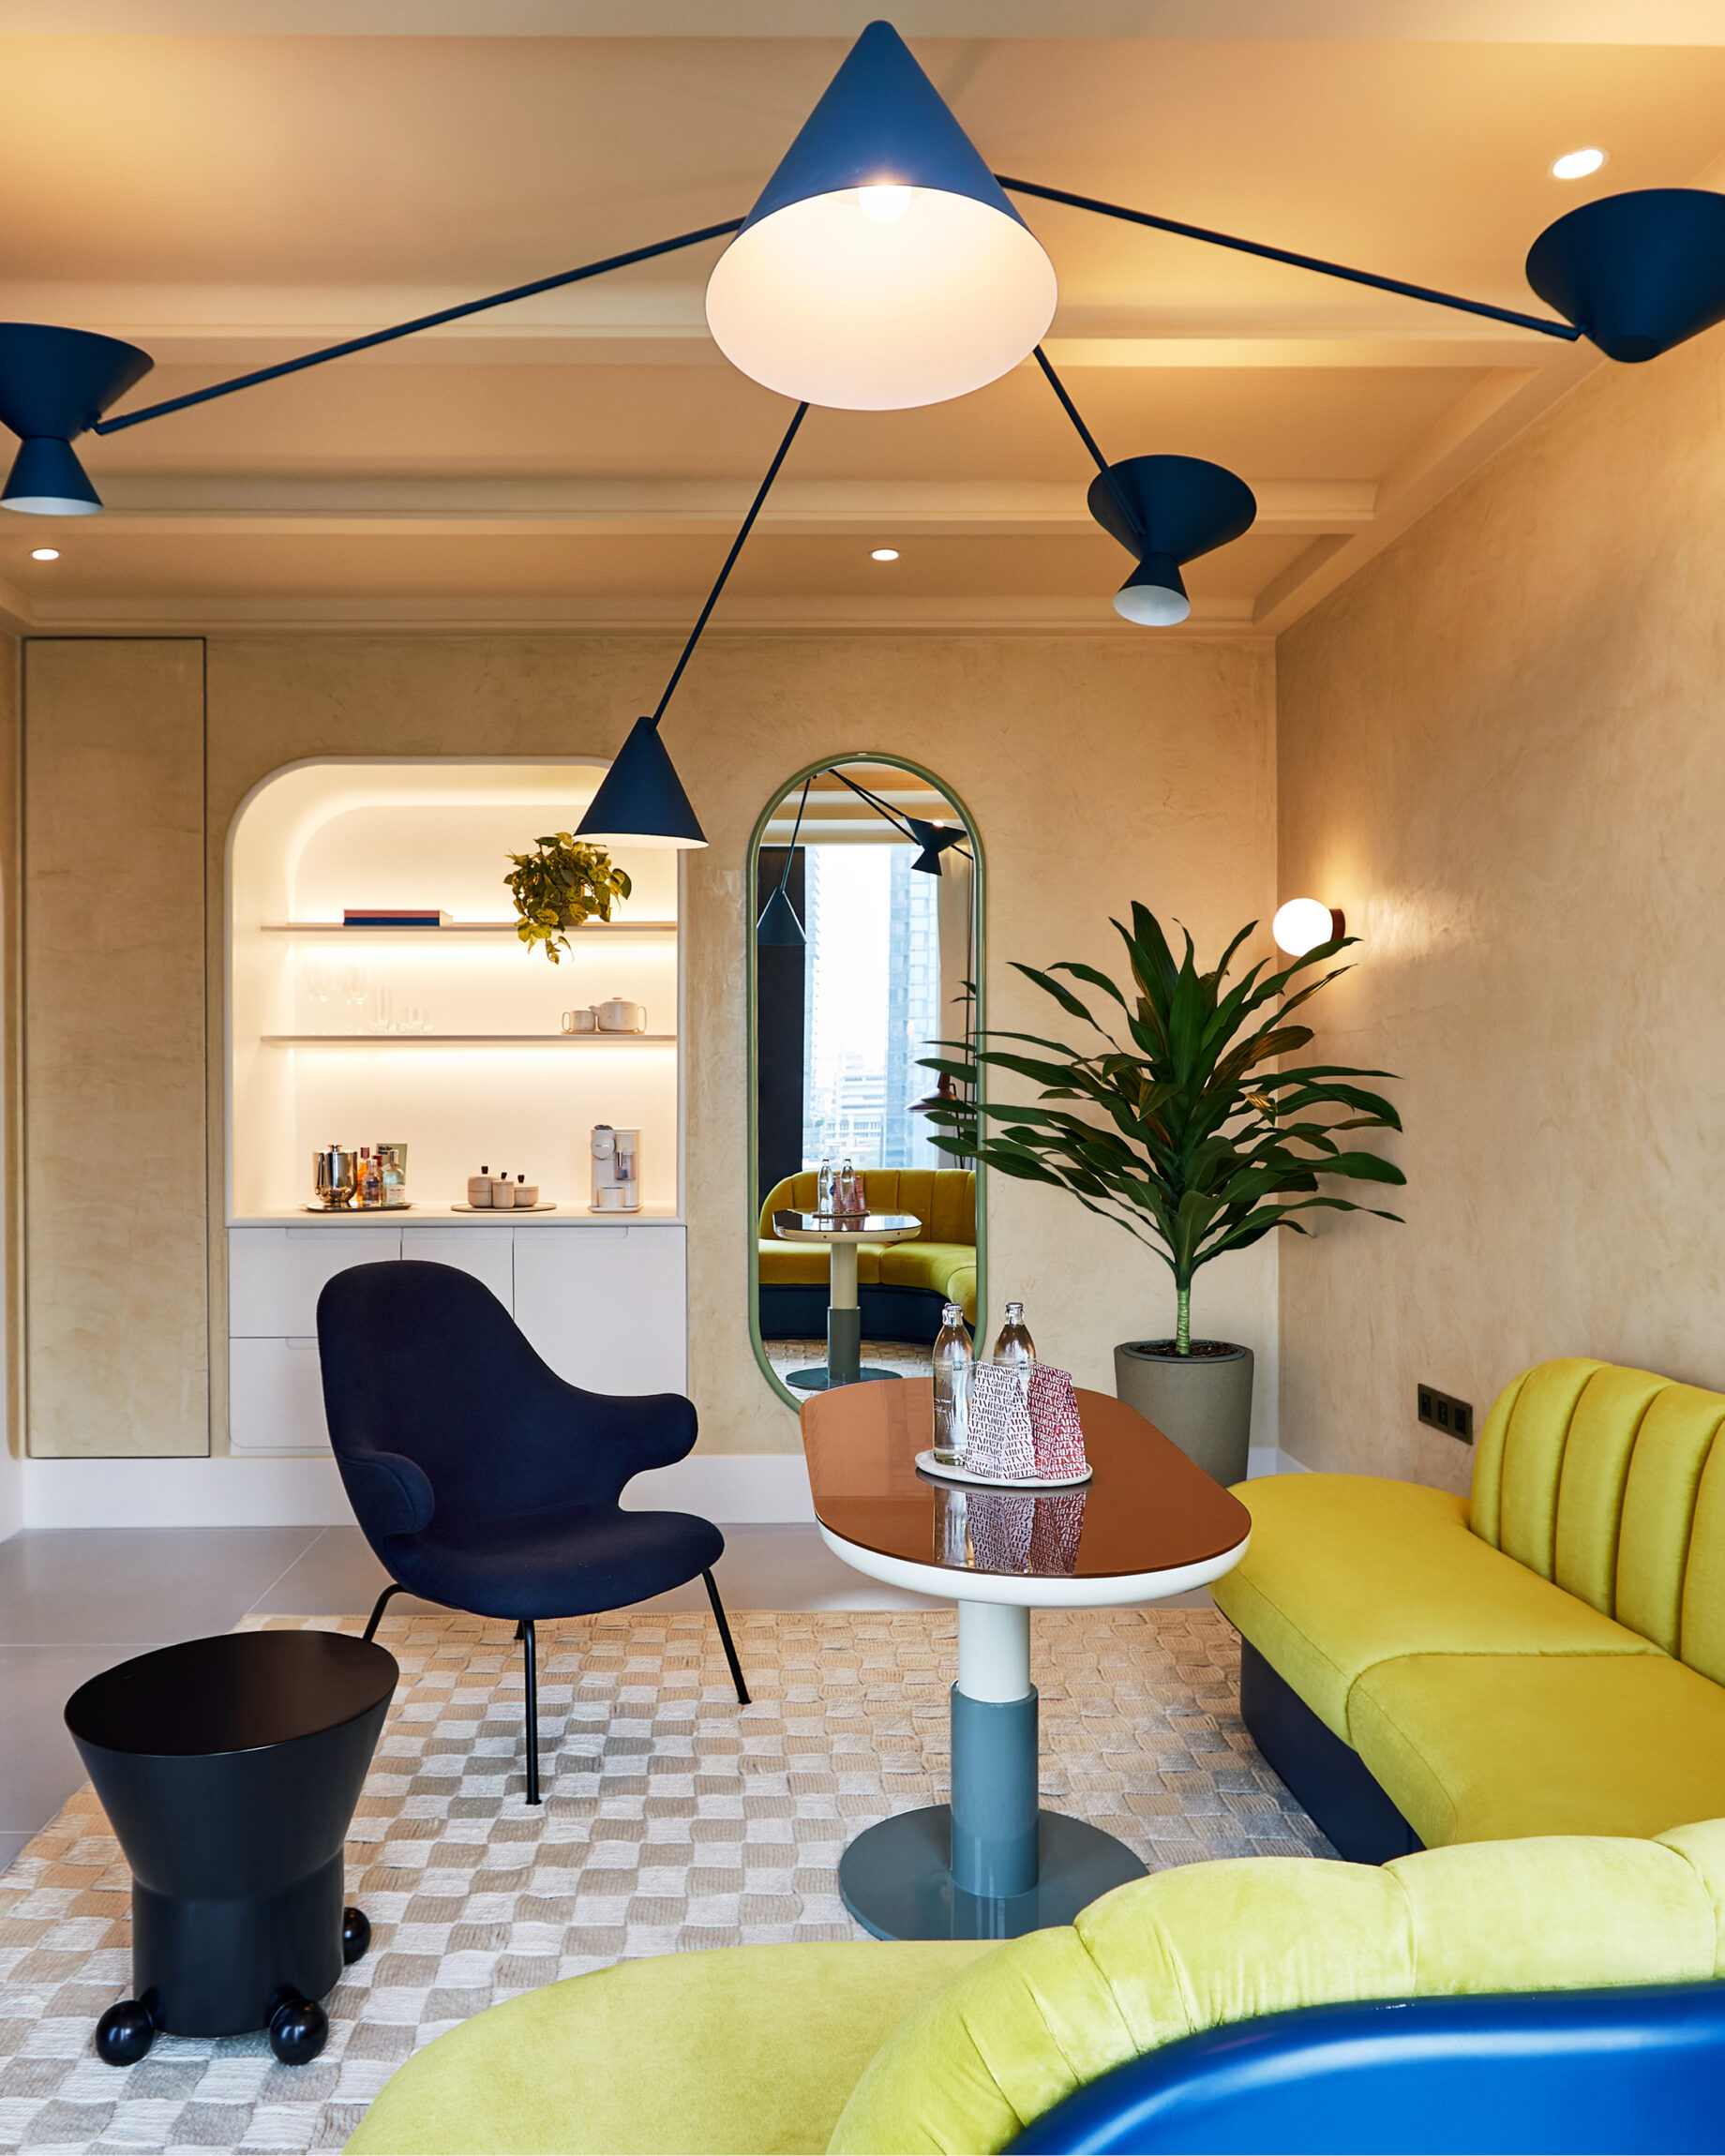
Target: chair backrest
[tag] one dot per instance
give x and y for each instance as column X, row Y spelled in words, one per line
column 1631, row 2070
column 1609, row 1482
column 423, row 1360
column 943, row 1199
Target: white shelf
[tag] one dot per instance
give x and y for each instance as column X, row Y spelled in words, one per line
column 359, row 931
column 439, row 1213
column 446, row 1040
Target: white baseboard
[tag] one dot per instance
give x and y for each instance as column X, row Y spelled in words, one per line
column 730, row 1488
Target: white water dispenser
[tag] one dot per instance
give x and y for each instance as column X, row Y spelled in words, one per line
column 615, row 1170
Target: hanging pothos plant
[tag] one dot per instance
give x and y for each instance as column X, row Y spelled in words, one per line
column 562, row 883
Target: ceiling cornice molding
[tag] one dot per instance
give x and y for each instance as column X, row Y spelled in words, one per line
column 526, row 504
column 1026, row 617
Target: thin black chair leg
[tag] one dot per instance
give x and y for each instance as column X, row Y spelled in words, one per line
column 378, row 1608
column 730, row 1652
column 533, row 1711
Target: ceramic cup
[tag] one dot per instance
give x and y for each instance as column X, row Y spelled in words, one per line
column 582, row 1021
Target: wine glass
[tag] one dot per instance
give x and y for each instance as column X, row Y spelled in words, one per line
column 356, row 987
column 314, row 978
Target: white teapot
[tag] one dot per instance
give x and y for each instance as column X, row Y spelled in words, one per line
column 620, row 1016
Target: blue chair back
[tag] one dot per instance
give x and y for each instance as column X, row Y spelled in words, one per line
column 423, row 1361
column 1568, row 2071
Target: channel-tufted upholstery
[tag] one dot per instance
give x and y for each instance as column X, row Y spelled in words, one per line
column 1547, row 1657
column 940, row 1260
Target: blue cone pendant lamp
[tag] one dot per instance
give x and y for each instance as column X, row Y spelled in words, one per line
column 55, row 384
column 641, row 801
column 882, row 266
column 778, row 928
column 934, row 839
column 1636, row 273
column 1167, row 510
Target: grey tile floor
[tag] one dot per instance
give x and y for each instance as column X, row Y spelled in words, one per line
column 75, row 1601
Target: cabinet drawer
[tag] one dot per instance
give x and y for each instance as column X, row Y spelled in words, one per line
column 488, row 1254
column 606, row 1307
column 276, row 1396
column 275, row 1274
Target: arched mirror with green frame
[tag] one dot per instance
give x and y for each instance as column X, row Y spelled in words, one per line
column 865, row 954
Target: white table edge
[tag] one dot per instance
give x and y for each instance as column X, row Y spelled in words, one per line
column 1025, row 1591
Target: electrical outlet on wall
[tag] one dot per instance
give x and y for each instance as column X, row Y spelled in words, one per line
column 1443, row 1411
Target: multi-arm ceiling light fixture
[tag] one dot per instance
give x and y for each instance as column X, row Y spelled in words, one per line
column 884, row 265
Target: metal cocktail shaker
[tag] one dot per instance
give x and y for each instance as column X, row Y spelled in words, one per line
column 334, row 1176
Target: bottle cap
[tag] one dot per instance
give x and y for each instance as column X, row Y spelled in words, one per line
column 953, row 1314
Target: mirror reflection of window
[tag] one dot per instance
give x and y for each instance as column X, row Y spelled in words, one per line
column 867, row 944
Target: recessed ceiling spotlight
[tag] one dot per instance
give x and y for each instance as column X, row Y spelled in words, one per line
column 884, row 554
column 44, row 553
column 1577, row 164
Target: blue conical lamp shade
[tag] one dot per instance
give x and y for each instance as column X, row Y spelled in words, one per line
column 934, row 839
column 1636, row 273
column 55, row 384
column 882, row 266
column 641, row 800
column 1167, row 510
column 778, row 927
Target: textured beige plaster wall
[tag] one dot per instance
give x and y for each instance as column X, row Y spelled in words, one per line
column 1098, row 771
column 114, row 1225
column 1502, row 752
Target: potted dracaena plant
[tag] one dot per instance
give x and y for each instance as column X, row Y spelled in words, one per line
column 1185, row 1132
column 562, row 883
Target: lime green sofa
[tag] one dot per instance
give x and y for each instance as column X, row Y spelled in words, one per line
column 1545, row 1657
column 900, row 1286
column 875, row 2049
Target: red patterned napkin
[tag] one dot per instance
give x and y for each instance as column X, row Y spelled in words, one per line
column 1057, row 1434
column 999, row 1441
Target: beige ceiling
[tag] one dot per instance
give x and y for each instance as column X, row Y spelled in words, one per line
column 227, row 201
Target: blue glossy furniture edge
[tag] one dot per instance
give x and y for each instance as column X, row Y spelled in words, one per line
column 1579, row 2072
column 1327, row 1776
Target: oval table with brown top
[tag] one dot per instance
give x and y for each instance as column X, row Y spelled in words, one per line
column 1149, row 1523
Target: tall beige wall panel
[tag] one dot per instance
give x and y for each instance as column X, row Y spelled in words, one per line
column 1502, row 752
column 116, row 1305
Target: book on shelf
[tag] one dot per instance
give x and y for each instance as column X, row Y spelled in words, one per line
column 395, row 917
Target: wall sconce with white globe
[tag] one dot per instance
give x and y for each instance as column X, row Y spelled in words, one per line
column 1303, row 923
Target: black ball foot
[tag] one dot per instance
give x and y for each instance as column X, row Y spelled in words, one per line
column 355, row 1934
column 124, row 2034
column 298, row 2030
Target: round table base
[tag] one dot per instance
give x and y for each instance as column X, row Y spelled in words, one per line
column 895, row 1878
column 822, row 1380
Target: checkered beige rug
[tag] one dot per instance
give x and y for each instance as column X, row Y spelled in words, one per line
column 673, row 1820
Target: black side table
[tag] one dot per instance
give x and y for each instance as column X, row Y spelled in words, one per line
column 230, row 1768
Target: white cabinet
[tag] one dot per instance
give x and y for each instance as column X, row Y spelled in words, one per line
column 276, row 1396
column 606, row 1306
column 276, row 1275
column 488, row 1254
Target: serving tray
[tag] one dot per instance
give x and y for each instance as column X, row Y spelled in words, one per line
column 545, row 1206
column 928, row 1464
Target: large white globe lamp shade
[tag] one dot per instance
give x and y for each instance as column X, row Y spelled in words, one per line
column 882, row 266
column 1303, row 923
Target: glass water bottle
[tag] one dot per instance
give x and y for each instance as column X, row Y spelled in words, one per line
column 823, row 1190
column 1014, row 1345
column 952, row 1388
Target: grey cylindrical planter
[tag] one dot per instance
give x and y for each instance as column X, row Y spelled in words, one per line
column 1203, row 1402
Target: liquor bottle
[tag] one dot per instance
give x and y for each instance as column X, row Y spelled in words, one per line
column 370, row 1182
column 952, row 1388
column 823, row 1190
column 1015, row 1344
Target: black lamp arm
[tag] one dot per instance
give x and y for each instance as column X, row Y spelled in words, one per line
column 796, row 832
column 779, row 456
column 412, row 328
column 1089, row 441
column 1541, row 323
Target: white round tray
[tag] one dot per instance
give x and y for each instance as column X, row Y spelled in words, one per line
column 930, row 1465
column 545, row 1206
